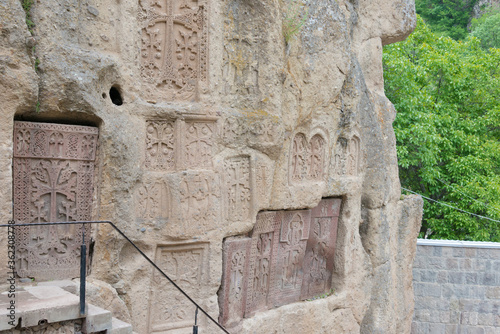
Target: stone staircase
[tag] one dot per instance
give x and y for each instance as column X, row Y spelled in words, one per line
column 48, row 307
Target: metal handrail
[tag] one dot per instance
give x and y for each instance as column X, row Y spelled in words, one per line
column 198, row 307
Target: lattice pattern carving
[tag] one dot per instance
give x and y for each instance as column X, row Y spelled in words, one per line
column 53, row 181
column 174, row 51
column 289, row 257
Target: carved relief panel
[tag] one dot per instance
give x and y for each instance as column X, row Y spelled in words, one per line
column 294, row 233
column 261, row 280
column 176, row 144
column 53, row 181
column 187, row 266
column 289, row 257
column 307, row 158
column 241, row 54
column 160, row 145
column 235, row 274
column 198, row 143
column 257, row 131
column 174, row 47
column 238, row 184
column 347, row 156
column 319, row 259
column 198, row 201
column 153, row 200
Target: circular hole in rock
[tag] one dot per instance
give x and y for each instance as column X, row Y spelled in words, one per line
column 115, row 96
column 104, row 95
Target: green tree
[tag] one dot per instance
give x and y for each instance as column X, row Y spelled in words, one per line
column 447, row 17
column 487, row 29
column 447, row 95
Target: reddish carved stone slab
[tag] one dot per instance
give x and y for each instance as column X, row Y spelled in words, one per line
column 261, row 280
column 320, row 252
column 289, row 257
column 234, row 280
column 290, row 253
column 53, row 181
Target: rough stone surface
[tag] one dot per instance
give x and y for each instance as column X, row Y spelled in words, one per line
column 207, row 118
column 457, row 288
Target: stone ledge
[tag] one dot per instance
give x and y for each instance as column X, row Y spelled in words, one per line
column 37, row 303
column 456, row 243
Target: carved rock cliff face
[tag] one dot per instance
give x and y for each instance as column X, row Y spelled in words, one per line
column 259, row 173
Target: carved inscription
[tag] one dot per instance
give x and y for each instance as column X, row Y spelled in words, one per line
column 186, row 265
column 160, row 145
column 235, row 273
column 289, row 257
column 174, row 47
column 307, row 158
column 153, row 200
column 53, row 181
column 239, row 201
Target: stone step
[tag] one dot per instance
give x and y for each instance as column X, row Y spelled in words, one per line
column 120, row 327
column 97, row 319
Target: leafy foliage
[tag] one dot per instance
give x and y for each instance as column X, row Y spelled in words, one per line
column 487, row 29
column 447, row 95
column 447, row 17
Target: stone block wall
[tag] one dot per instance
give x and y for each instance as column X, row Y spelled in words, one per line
column 457, row 287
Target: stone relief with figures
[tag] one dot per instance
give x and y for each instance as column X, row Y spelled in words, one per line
column 174, row 47
column 288, row 257
column 53, row 169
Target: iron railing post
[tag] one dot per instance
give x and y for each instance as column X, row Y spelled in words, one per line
column 83, row 271
column 195, row 327
column 83, row 266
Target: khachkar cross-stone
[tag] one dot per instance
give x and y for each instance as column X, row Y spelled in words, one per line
column 53, row 171
column 174, row 47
